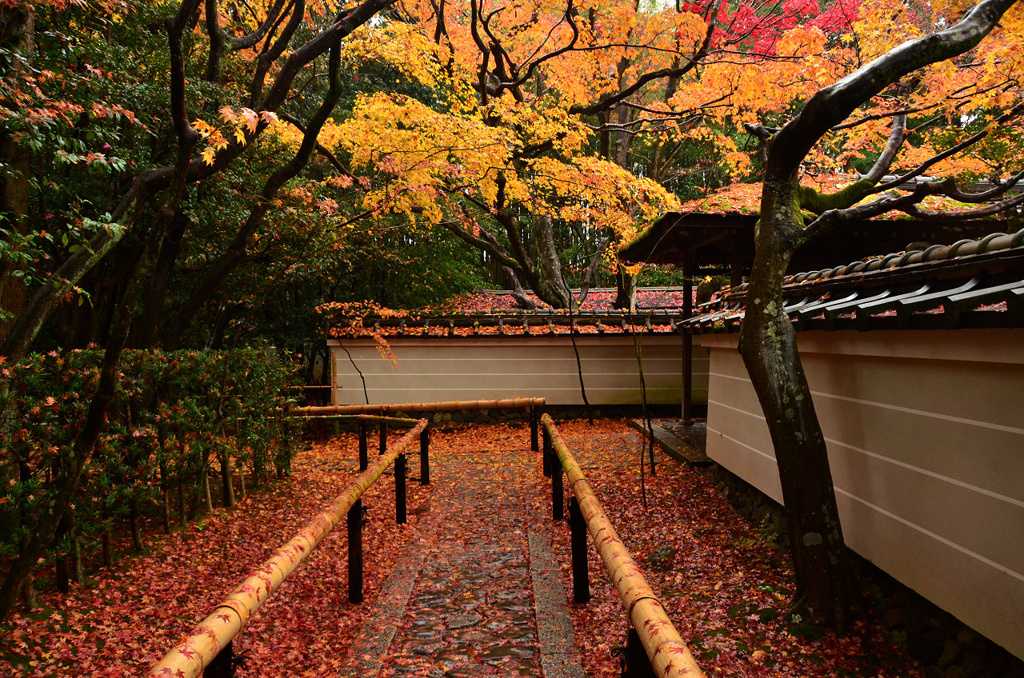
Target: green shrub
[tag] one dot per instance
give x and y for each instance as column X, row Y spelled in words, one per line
column 175, row 418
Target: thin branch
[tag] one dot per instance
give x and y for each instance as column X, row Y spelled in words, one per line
column 909, row 203
column 612, row 100
column 881, row 116
column 320, row 148
column 953, row 150
column 888, row 154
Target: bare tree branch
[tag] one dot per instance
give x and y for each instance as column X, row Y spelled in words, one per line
column 952, row 150
column 892, row 147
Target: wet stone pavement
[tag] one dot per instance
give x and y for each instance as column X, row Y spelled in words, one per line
column 468, row 583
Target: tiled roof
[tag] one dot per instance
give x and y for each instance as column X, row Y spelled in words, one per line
column 971, row 283
column 494, row 313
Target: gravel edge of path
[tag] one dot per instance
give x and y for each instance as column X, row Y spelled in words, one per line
column 559, row 655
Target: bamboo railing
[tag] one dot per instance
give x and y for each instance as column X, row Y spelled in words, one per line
column 534, row 405
column 669, row 655
column 421, row 407
column 370, row 419
column 191, row 656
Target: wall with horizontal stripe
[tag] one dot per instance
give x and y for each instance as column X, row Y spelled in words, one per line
column 925, row 436
column 472, row 368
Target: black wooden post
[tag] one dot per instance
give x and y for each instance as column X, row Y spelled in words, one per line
column 546, row 454
column 383, row 439
column 400, row 489
column 425, row 457
column 534, row 421
column 578, row 541
column 557, row 496
column 687, row 413
column 355, row 552
column 223, row 665
column 364, row 462
column 638, row 665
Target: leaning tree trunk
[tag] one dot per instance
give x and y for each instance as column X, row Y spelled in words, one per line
column 825, row 579
column 826, row 583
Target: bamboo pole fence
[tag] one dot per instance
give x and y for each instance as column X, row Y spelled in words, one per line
column 191, row 656
column 369, row 419
column 669, row 655
column 440, row 406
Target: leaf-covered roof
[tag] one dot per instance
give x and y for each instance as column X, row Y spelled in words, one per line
column 496, row 313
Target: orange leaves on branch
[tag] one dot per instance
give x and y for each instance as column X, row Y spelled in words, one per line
column 400, row 45
column 600, row 194
column 355, row 314
column 419, row 152
column 239, row 125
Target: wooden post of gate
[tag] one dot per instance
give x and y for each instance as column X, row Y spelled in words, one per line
column 557, row 495
column 425, row 457
column 546, row 454
column 222, row 665
column 578, row 541
column 534, row 425
column 383, row 438
column 355, row 552
column 364, row 461
column 400, row 489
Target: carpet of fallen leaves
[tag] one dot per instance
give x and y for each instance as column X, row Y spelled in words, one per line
column 725, row 588
column 132, row 614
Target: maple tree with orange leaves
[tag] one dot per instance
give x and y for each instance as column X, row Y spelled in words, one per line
column 568, row 118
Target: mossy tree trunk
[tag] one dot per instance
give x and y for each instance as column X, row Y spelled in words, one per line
column 826, row 584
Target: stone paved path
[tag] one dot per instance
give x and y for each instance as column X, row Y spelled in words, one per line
column 475, row 587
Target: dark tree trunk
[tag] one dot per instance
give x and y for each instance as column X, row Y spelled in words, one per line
column 106, row 548
column 159, row 283
column 133, row 524
column 625, row 290
column 62, row 571
column 182, row 504
column 550, row 285
column 17, row 28
column 225, row 473
column 826, row 582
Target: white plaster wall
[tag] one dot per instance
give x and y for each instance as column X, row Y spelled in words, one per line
column 926, row 444
column 471, row 368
